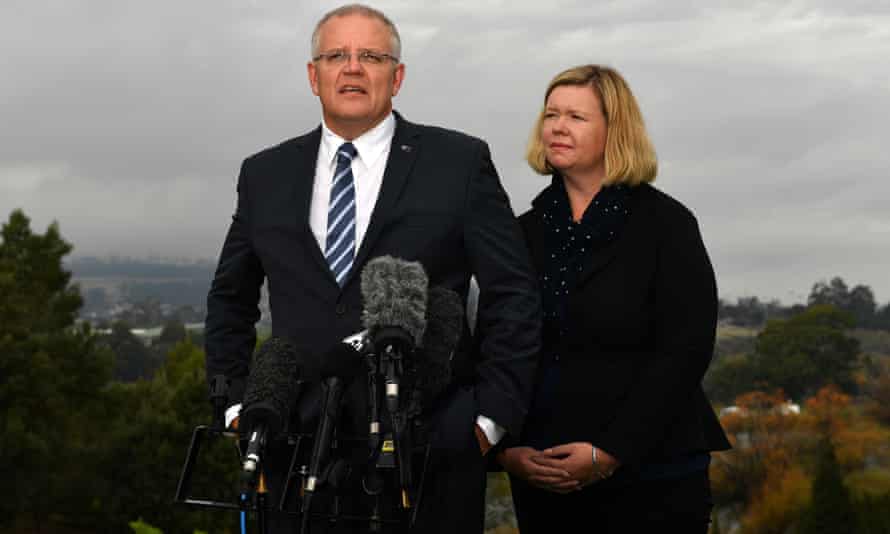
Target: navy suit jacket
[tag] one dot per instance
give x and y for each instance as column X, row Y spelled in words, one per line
column 441, row 203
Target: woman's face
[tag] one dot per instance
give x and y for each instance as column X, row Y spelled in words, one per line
column 574, row 131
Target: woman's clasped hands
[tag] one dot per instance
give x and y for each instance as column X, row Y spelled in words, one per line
column 560, row 469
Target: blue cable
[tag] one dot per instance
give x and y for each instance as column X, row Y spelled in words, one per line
column 243, row 516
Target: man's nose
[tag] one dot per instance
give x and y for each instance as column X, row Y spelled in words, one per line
column 352, row 63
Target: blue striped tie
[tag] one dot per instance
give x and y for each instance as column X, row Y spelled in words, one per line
column 340, row 243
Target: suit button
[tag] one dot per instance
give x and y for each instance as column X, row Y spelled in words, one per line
column 340, row 309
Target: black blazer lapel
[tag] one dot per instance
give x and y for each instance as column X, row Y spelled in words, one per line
column 402, row 155
column 304, row 176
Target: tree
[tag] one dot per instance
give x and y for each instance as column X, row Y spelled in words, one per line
column 882, row 317
column 859, row 301
column 766, row 443
column 834, row 293
column 149, row 425
column 830, row 509
column 173, row 332
column 729, row 377
column 52, row 374
column 807, row 351
column 133, row 360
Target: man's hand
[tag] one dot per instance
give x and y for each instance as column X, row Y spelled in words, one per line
column 576, row 458
column 484, row 445
column 522, row 462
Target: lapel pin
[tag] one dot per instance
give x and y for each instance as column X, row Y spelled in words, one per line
column 406, row 148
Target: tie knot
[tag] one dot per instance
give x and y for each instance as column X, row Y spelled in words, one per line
column 347, row 150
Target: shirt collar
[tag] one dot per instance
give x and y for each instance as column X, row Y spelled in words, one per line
column 370, row 145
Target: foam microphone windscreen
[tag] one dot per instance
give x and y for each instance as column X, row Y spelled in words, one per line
column 395, row 295
column 272, row 387
column 444, row 325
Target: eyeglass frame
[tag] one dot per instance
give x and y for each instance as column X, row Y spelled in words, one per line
column 366, row 54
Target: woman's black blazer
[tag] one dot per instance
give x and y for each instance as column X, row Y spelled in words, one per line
column 641, row 331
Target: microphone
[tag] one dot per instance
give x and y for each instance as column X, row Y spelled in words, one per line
column 395, row 292
column 444, row 314
column 338, row 368
column 395, row 299
column 395, row 295
column 271, row 390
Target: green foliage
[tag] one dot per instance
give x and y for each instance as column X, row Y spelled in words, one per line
column 806, row 352
column 873, row 514
column 133, row 360
column 172, row 333
column 730, row 377
column 859, row 302
column 830, row 510
column 141, row 527
column 51, row 378
column 152, row 422
column 78, row 450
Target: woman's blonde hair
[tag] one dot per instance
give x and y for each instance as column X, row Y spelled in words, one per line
column 629, row 154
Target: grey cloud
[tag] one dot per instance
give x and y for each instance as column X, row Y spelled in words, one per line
column 127, row 121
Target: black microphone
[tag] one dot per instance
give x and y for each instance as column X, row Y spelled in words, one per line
column 395, row 295
column 271, row 390
column 444, row 326
column 338, row 368
column 395, row 298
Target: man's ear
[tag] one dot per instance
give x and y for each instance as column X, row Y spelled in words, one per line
column 312, row 71
column 397, row 78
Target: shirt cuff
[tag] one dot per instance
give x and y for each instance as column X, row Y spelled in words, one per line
column 493, row 431
column 231, row 413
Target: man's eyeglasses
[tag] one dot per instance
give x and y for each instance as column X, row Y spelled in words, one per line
column 337, row 58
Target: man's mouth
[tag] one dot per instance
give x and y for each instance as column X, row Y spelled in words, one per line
column 354, row 89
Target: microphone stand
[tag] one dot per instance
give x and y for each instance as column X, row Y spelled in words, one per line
column 393, row 365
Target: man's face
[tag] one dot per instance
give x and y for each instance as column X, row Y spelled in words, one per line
column 355, row 96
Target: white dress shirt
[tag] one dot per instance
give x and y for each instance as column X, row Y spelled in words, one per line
column 367, row 172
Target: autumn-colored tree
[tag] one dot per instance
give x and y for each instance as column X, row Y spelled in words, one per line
column 777, row 505
column 854, row 435
column 877, row 391
column 767, row 440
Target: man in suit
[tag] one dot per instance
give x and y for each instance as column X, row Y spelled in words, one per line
column 313, row 210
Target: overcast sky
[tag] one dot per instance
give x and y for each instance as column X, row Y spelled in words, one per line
column 127, row 121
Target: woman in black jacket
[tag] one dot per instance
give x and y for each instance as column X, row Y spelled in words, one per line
column 619, row 434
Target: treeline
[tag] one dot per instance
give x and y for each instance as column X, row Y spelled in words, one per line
column 137, row 268
column 858, row 301
column 79, row 450
column 94, row 429
column 804, row 393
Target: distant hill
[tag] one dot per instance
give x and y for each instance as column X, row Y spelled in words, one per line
column 105, row 282
column 90, row 267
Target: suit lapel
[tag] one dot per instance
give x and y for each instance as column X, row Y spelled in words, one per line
column 305, row 179
column 402, row 155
